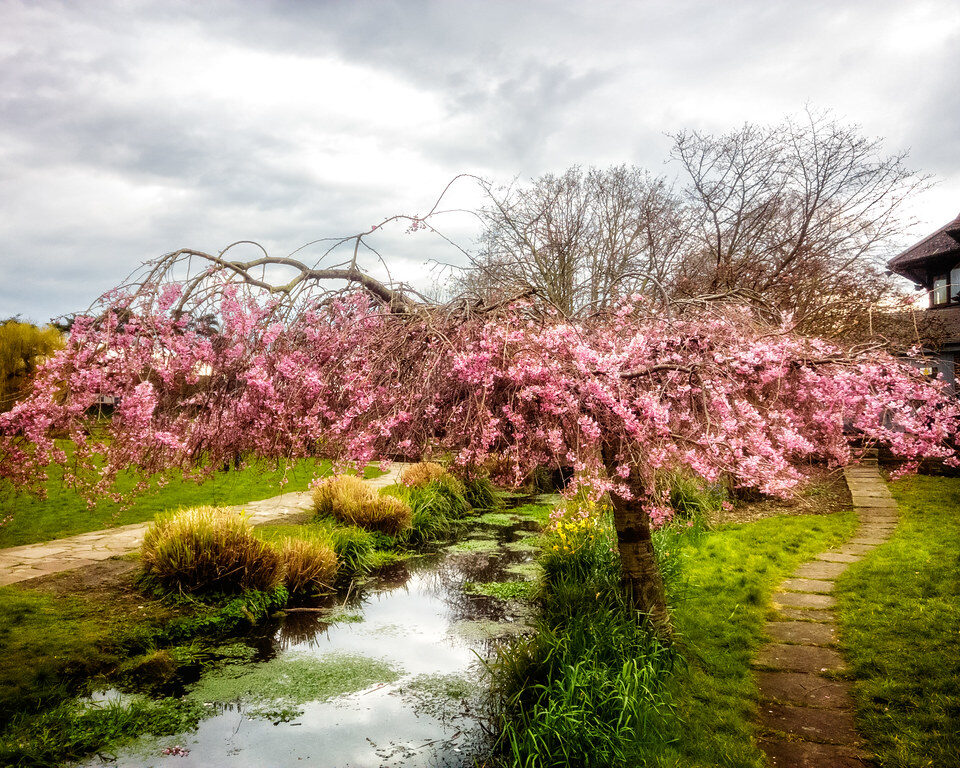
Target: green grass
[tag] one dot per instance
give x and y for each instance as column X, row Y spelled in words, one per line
column 720, row 601
column 899, row 614
column 65, row 513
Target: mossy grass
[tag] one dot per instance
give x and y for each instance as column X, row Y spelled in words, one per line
column 899, row 616
column 65, row 513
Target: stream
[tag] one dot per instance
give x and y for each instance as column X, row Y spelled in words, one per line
column 394, row 676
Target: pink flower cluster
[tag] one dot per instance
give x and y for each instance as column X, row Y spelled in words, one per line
column 615, row 399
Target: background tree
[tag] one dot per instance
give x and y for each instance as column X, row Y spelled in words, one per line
column 22, row 347
column 798, row 218
column 580, row 240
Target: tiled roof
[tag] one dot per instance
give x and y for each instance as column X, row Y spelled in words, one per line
column 945, row 241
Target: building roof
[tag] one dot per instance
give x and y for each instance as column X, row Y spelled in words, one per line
column 943, row 245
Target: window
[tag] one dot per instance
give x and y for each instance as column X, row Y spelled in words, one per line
column 939, row 291
column 955, row 285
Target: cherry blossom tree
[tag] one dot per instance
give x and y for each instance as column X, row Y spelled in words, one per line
column 371, row 371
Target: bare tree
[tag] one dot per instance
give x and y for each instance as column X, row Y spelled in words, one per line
column 802, row 214
column 580, row 240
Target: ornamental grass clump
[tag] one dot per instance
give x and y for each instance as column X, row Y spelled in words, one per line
column 310, row 565
column 340, row 496
column 209, row 549
column 422, row 473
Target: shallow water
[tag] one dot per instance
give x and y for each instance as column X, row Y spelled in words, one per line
column 404, row 663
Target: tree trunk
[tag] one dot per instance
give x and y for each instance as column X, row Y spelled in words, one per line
column 641, row 578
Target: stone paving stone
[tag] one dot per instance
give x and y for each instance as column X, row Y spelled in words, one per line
column 788, row 753
column 876, row 541
column 812, row 659
column 856, row 549
column 803, row 600
column 835, row 557
column 803, row 689
column 807, row 585
column 805, row 614
column 820, row 570
column 804, row 632
column 832, row 726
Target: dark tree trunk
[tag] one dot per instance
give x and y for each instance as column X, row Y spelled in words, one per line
column 641, row 577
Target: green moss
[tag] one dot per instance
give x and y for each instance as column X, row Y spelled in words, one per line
column 504, row 590
column 293, row 680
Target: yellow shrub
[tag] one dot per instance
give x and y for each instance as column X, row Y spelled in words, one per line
column 310, row 565
column 422, row 473
column 209, row 548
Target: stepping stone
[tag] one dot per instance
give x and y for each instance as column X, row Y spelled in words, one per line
column 836, row 557
column 820, row 570
column 806, row 614
column 833, row 726
column 856, row 549
column 803, row 689
column 807, row 585
column 875, row 541
column 803, row 600
column 799, row 658
column 805, row 632
column 782, row 753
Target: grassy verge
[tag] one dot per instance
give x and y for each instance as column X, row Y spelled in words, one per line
column 899, row 613
column 64, row 513
column 720, row 602
column 589, row 688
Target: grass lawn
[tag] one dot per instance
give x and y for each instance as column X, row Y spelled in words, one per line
column 719, row 603
column 899, row 617
column 65, row 513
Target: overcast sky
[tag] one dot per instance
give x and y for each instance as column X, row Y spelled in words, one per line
column 131, row 129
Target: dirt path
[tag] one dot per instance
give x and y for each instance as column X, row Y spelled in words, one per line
column 806, row 714
column 33, row 560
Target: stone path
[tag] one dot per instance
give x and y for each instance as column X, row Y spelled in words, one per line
column 33, row 560
column 805, row 714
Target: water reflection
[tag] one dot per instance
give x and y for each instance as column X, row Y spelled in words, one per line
column 416, row 616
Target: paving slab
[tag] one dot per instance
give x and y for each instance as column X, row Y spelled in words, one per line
column 807, row 585
column 803, row 600
column 789, row 753
column 803, row 632
column 803, row 690
column 838, row 557
column 820, row 570
column 812, row 659
column 805, row 614
column 831, row 726
column 856, row 549
column 875, row 541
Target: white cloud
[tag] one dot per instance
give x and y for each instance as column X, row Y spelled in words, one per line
column 127, row 130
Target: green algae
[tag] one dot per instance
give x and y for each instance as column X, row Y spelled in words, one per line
column 530, row 571
column 485, row 629
column 500, row 519
column 476, row 545
column 280, row 685
column 439, row 695
column 503, row 590
column 526, row 544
